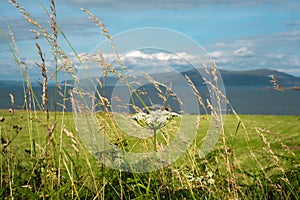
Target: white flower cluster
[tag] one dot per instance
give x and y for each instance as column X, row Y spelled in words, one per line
column 154, row 120
column 203, row 180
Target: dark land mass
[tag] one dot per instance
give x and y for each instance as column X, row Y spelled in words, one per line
column 250, row 92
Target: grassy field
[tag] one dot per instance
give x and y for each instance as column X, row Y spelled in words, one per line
column 45, row 159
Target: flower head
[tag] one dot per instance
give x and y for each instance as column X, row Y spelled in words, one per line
column 154, row 119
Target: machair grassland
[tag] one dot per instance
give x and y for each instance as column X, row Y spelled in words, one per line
column 43, row 157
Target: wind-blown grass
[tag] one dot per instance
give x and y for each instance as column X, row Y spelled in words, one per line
column 42, row 157
column 37, row 173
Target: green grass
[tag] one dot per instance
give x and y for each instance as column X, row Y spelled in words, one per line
column 280, row 130
column 37, row 165
column 255, row 157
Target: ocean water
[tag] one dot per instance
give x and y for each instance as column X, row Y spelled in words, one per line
column 245, row 100
column 255, row 100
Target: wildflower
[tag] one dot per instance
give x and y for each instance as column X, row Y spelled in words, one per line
column 209, row 178
column 211, row 181
column 155, row 119
column 209, row 174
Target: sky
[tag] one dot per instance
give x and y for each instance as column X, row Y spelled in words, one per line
column 238, row 35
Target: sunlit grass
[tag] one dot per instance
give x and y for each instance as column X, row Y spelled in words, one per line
column 44, row 156
column 75, row 159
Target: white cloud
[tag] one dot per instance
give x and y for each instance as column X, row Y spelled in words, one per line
column 219, row 45
column 158, row 58
column 273, row 51
column 149, row 61
column 288, row 36
column 138, row 54
column 216, row 54
column 243, row 52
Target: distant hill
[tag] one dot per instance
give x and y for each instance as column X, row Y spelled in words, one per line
column 14, row 83
column 258, row 77
column 248, row 79
column 10, row 83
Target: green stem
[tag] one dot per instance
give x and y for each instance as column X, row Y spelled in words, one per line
column 154, row 142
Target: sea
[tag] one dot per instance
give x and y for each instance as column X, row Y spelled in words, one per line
column 243, row 99
column 263, row 101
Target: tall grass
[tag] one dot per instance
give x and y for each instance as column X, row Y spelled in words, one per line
column 42, row 157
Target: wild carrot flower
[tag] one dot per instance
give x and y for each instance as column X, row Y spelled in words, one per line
column 209, row 177
column 154, row 119
column 211, row 181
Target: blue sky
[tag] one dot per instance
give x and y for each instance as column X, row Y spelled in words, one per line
column 238, row 35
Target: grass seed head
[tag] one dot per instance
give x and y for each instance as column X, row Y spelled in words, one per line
column 2, row 119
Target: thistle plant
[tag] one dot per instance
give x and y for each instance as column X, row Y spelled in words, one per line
column 155, row 119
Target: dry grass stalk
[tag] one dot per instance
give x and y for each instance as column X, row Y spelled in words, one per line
column 103, row 64
column 223, row 97
column 52, row 7
column 13, row 41
column 26, row 98
column 67, row 64
column 196, row 92
column 107, row 67
column 106, row 33
column 232, row 185
column 54, row 45
column 50, row 136
column 260, row 131
column 104, row 101
column 169, row 93
column 62, row 105
column 21, row 63
column 214, row 115
column 198, row 122
column 207, row 71
column 230, row 165
column 12, row 101
column 281, row 142
column 53, row 19
column 275, row 83
column 53, row 23
column 70, row 135
column 154, row 82
column 98, row 23
column 99, row 83
column 214, row 71
column 27, row 16
column 45, row 81
column 27, row 94
column 162, row 95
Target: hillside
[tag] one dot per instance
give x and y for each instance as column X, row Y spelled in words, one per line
column 245, row 90
column 258, row 77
